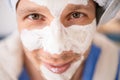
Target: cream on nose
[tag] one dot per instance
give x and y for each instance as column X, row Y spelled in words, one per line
column 55, row 40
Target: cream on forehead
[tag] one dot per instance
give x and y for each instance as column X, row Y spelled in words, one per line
column 62, row 2
column 57, row 6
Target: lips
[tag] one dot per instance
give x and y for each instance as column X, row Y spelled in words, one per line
column 57, row 63
column 57, row 68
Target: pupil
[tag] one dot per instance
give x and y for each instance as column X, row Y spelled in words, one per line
column 76, row 15
column 35, row 16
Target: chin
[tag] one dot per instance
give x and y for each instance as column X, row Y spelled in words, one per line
column 64, row 72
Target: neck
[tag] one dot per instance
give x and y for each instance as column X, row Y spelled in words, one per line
column 78, row 74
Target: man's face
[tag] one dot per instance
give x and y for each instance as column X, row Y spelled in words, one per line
column 55, row 34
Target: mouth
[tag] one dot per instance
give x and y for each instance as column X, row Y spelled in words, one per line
column 58, row 69
column 57, row 63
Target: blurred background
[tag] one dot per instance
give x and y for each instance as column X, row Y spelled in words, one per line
column 7, row 20
column 112, row 28
column 8, row 24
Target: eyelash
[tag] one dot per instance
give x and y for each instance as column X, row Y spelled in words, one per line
column 71, row 16
column 36, row 16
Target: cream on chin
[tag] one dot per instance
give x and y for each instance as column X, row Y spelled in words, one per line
column 67, row 75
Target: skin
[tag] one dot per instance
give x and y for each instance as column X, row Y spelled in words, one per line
column 32, row 16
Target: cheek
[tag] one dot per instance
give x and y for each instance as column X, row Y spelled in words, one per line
column 83, row 36
column 76, row 38
column 32, row 57
column 31, row 24
column 21, row 25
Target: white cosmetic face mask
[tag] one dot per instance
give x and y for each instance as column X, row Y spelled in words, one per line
column 56, row 38
column 67, row 75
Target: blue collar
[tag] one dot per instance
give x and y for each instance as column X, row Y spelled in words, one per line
column 90, row 63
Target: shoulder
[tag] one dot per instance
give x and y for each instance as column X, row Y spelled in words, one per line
column 11, row 55
column 107, row 64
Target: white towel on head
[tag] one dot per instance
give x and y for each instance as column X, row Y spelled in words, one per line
column 101, row 2
column 12, row 3
column 112, row 7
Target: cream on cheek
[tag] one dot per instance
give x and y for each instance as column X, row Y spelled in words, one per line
column 57, row 6
column 56, row 38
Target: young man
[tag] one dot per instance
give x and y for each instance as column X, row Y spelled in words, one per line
column 60, row 42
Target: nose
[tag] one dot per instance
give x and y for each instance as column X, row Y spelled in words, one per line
column 55, row 37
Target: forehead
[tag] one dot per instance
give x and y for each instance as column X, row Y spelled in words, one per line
column 57, row 6
column 59, row 2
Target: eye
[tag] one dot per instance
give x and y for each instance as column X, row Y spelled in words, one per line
column 36, row 16
column 76, row 15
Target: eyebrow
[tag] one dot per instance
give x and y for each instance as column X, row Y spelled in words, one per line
column 78, row 7
column 27, row 10
column 37, row 9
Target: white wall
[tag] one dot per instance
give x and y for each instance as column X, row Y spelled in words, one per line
column 7, row 19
